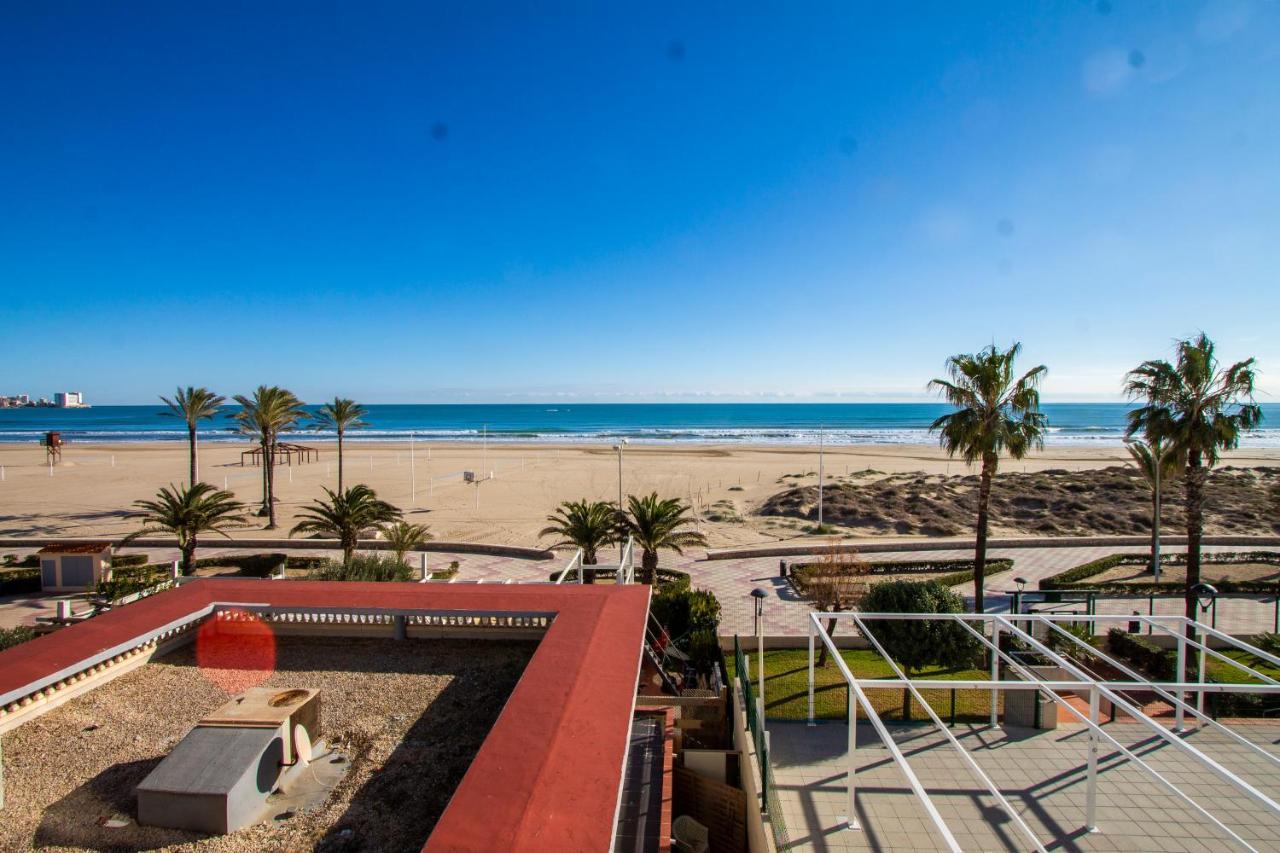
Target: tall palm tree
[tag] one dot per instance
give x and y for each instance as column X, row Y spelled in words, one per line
column 996, row 412
column 657, row 523
column 187, row 512
column 269, row 411
column 404, row 536
column 1159, row 462
column 193, row 405
column 1199, row 409
column 340, row 415
column 589, row 525
column 345, row 515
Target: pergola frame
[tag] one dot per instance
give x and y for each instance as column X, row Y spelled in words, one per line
column 989, row 628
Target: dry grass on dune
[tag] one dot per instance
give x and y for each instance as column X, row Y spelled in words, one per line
column 1102, row 501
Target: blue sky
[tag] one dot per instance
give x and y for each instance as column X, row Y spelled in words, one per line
column 488, row 202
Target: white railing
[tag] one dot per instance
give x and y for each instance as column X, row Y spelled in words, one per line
column 574, row 565
column 1078, row 681
column 627, row 565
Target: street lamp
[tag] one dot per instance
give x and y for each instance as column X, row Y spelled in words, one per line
column 1205, row 594
column 760, row 594
column 1017, row 596
column 622, row 546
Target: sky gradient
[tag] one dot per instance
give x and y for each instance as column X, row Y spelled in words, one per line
column 414, row 202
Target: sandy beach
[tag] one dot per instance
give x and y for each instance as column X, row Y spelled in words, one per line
column 91, row 492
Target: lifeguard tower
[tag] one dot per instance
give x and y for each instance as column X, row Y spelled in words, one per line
column 52, row 442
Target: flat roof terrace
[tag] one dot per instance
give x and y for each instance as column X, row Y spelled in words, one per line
column 548, row 774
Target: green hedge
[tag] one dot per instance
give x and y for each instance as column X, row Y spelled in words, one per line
column 12, row 561
column 1077, row 578
column 251, row 565
column 131, row 579
column 956, row 571
column 1156, row 662
column 124, row 561
column 18, row 581
column 666, row 577
column 10, row 637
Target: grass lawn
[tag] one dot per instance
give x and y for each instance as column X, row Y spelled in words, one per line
column 1226, row 674
column 786, row 687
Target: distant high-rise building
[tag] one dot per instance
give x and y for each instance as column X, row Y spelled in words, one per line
column 68, row 399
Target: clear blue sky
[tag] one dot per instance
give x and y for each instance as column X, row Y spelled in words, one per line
column 483, row 202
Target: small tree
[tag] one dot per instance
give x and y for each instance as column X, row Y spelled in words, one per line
column 836, row 584
column 657, row 523
column 345, row 515
column 1159, row 462
column 917, row 644
column 589, row 525
column 404, row 536
column 186, row 512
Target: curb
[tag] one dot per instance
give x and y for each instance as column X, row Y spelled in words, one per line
column 871, row 546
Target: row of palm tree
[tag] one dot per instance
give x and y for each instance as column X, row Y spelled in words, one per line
column 187, row 512
column 1192, row 410
column 653, row 523
column 265, row 414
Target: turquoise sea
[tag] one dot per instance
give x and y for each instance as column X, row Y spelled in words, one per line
column 737, row 423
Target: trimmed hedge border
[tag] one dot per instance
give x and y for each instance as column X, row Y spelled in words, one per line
column 18, row 581
column 962, row 570
column 1077, row 578
column 124, row 561
column 666, row 577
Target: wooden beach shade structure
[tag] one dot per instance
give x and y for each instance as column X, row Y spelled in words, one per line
column 282, row 453
column 52, row 442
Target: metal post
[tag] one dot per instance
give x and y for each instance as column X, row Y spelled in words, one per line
column 821, row 448
column 413, row 479
column 995, row 672
column 425, row 573
column 1200, row 693
column 1091, row 791
column 760, row 653
column 811, row 665
column 1182, row 678
column 1155, row 541
column 850, row 783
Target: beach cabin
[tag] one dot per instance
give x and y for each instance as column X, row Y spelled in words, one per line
column 77, row 566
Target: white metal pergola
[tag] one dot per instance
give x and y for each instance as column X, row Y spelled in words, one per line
column 1187, row 698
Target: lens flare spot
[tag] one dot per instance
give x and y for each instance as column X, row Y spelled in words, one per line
column 236, row 652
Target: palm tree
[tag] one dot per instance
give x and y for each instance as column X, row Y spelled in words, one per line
column 345, row 515
column 404, row 536
column 186, row 512
column 589, row 525
column 193, row 405
column 264, row 415
column 996, row 412
column 1158, row 462
column 340, row 415
column 1199, row 410
column 657, row 523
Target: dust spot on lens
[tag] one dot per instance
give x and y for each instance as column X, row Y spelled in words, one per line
column 848, row 145
column 1137, row 59
column 675, row 50
column 1103, row 7
column 439, row 131
column 1004, row 227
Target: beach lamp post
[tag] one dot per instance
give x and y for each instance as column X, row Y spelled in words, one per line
column 1017, row 596
column 821, row 454
column 758, row 595
column 1206, row 596
column 622, row 547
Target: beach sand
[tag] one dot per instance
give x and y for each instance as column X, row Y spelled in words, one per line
column 91, row 492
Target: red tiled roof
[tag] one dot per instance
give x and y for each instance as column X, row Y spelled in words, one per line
column 76, row 548
column 546, row 778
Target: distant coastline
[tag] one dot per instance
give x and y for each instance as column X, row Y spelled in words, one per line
column 1080, row 424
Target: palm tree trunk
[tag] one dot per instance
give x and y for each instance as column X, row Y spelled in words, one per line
column 649, row 562
column 195, row 467
column 339, row 461
column 1196, row 475
column 270, row 462
column 831, row 632
column 1155, row 528
column 264, row 444
column 189, row 556
column 989, row 462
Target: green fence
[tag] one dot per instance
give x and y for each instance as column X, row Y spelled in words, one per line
column 755, row 725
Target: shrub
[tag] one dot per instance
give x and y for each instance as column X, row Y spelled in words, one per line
column 250, row 565
column 122, row 561
column 1269, row 643
column 683, row 612
column 13, row 561
column 10, row 637
column 17, row 581
column 1078, row 577
column 666, row 577
column 704, row 650
column 133, row 579
column 1142, row 653
column 365, row 567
